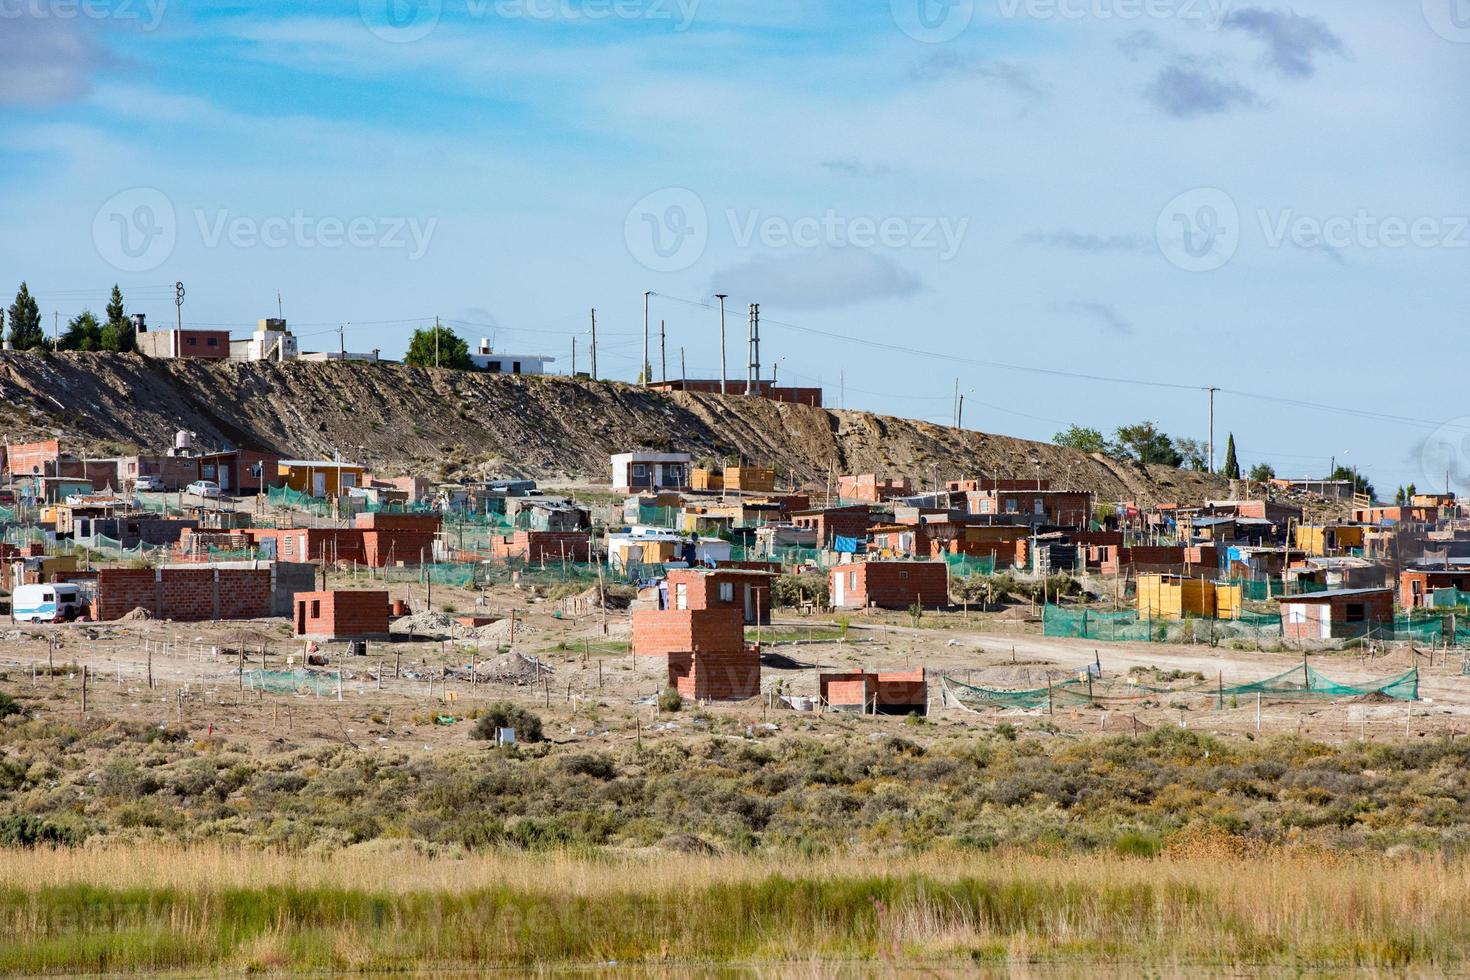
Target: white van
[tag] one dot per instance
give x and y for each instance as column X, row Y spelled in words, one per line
column 52, row 603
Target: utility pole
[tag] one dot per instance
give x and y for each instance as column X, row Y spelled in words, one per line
column 574, row 355
column 956, row 405
column 594, row 344
column 647, row 367
column 55, row 327
column 959, row 417
column 436, row 341
column 663, row 354
column 722, row 297
column 683, row 372
column 179, row 305
column 342, row 341
column 1211, row 392
column 753, row 367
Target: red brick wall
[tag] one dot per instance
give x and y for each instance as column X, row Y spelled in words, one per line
column 704, row 591
column 658, row 632
column 705, row 676
column 381, row 548
column 896, row 584
column 423, row 523
column 533, row 546
column 121, row 590
column 184, row 594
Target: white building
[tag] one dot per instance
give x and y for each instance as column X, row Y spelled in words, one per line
column 485, row 359
column 271, row 341
column 637, row 471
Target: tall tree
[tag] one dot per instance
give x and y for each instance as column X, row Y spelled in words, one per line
column 1262, row 472
column 1145, row 443
column 117, row 332
column 25, row 321
column 1232, row 465
column 84, row 332
column 1082, row 439
column 451, row 352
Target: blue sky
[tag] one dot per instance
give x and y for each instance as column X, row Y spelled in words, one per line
column 1187, row 193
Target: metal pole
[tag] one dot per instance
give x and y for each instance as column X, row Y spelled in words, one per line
column 646, row 369
column 594, row 345
column 722, row 297
column 1211, row 392
column 663, row 354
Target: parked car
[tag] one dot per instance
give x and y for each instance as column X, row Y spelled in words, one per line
column 52, row 603
column 203, row 488
column 148, row 484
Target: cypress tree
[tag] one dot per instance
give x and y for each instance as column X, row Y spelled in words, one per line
column 1232, row 465
column 25, row 321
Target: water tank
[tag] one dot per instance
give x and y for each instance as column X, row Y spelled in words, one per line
column 183, row 440
column 485, row 345
column 140, row 322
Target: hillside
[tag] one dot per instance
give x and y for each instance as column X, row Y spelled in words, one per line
column 445, row 423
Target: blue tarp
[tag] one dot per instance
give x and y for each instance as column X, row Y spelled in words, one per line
column 848, row 546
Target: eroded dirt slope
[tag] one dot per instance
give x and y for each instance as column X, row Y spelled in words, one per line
column 401, row 418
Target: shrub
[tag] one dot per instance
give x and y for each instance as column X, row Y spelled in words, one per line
column 9, row 706
column 793, row 590
column 503, row 714
column 670, row 701
column 595, row 765
column 1137, row 845
column 22, row 830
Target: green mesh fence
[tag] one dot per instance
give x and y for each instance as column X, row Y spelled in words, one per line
column 1126, row 626
column 7, row 514
column 1306, row 683
column 296, row 681
column 964, row 566
column 1303, row 683
column 1449, row 598
column 1261, row 590
column 793, row 555
column 658, row 516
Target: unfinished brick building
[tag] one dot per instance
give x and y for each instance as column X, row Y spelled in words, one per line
column 342, row 615
column 707, row 656
column 748, row 590
column 534, row 547
column 183, row 594
column 893, row 693
column 889, row 585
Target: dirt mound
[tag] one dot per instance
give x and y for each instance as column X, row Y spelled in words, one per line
column 513, row 668
column 500, row 631
column 451, row 423
column 427, row 623
column 137, row 615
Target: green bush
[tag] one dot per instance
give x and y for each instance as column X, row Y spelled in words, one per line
column 793, row 590
column 503, row 714
column 670, row 700
column 22, row 830
column 9, row 706
column 1137, row 845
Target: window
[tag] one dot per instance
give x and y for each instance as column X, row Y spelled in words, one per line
column 515, row 367
column 681, row 596
column 193, row 341
column 213, row 341
column 727, row 591
column 316, row 609
column 852, row 580
column 1011, row 506
column 1357, row 612
column 493, row 367
column 903, row 576
column 640, row 470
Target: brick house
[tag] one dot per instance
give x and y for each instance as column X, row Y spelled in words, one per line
column 833, row 522
column 707, row 655
column 893, row 693
column 639, row 471
column 1340, row 614
column 889, row 585
column 748, row 590
column 212, row 345
column 869, row 489
column 1417, row 585
column 342, row 615
column 1060, row 508
column 239, row 471
column 534, row 547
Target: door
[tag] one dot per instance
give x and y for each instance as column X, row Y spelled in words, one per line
column 750, row 616
column 319, row 484
column 223, row 477
column 838, row 579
